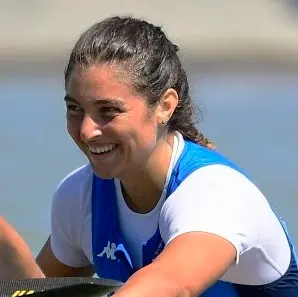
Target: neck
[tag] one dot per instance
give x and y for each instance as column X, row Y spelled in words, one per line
column 143, row 188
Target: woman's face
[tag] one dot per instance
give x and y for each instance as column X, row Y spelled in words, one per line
column 109, row 122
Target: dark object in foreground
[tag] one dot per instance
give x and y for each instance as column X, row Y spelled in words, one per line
column 58, row 286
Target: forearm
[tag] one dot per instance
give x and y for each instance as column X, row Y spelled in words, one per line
column 16, row 259
column 149, row 281
column 174, row 274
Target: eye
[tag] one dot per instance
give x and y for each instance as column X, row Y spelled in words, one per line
column 110, row 111
column 73, row 108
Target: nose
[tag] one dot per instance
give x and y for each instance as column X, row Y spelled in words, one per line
column 89, row 129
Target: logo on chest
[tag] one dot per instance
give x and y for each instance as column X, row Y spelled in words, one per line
column 109, row 251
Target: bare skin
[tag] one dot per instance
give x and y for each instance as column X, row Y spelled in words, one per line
column 16, row 259
column 52, row 267
column 197, row 271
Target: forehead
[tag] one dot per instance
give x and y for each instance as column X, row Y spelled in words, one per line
column 99, row 81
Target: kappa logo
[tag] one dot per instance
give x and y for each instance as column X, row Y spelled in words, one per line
column 109, row 251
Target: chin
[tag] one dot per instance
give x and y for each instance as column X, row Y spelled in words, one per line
column 103, row 174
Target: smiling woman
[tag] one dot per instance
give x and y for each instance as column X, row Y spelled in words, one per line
column 110, row 117
column 156, row 204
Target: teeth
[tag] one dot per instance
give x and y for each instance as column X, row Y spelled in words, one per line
column 102, row 148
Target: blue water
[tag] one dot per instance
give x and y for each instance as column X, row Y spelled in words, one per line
column 251, row 118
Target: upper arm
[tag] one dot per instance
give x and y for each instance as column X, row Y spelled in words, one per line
column 220, row 201
column 52, row 267
column 215, row 214
column 63, row 253
column 217, row 200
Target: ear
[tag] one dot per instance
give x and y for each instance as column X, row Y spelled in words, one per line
column 167, row 104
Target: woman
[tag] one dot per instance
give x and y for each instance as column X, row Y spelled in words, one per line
column 156, row 207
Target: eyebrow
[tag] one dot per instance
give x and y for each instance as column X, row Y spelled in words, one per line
column 110, row 101
column 67, row 98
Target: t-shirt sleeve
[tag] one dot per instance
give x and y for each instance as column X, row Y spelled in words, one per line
column 67, row 219
column 218, row 200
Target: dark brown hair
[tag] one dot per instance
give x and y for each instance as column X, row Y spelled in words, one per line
column 150, row 58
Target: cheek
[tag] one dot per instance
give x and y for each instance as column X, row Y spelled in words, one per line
column 146, row 133
column 73, row 128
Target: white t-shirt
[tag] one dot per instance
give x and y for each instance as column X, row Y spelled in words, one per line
column 215, row 199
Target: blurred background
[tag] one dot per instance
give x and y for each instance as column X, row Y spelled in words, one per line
column 242, row 61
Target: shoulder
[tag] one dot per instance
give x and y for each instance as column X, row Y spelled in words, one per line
column 74, row 187
column 220, row 200
column 76, row 181
column 76, row 178
column 218, row 181
column 70, row 218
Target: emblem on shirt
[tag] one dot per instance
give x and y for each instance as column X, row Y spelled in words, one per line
column 109, row 251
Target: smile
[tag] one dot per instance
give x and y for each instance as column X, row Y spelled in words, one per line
column 99, row 149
